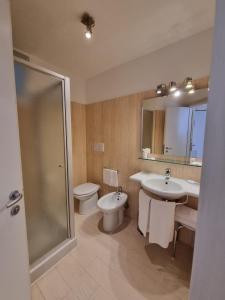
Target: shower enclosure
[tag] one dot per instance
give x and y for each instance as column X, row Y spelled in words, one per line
column 45, row 140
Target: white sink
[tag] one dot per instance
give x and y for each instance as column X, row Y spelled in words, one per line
column 170, row 190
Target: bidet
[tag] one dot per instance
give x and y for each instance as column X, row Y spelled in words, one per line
column 112, row 206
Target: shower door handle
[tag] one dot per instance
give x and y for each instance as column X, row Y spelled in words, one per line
column 14, row 197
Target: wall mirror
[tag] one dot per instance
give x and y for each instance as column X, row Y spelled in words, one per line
column 173, row 128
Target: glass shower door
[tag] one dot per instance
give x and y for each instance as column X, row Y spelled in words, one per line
column 40, row 99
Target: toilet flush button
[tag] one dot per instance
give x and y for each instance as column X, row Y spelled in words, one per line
column 99, row 147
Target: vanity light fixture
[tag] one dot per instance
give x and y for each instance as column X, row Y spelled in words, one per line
column 188, row 83
column 89, row 22
column 174, row 89
column 161, row 90
column 177, row 93
column 172, row 86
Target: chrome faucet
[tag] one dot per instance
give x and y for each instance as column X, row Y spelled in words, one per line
column 167, row 175
column 118, row 192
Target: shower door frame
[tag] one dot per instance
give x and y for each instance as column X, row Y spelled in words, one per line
column 51, row 257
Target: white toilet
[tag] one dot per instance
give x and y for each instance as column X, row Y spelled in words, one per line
column 87, row 194
column 112, row 206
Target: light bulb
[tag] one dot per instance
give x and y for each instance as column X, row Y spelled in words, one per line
column 88, row 34
column 172, row 86
column 173, row 89
column 161, row 89
column 192, row 91
column 177, row 93
column 188, row 83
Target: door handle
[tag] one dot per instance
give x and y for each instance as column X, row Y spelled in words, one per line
column 14, row 197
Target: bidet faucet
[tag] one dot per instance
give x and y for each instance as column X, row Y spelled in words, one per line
column 118, row 192
column 167, row 175
column 119, row 189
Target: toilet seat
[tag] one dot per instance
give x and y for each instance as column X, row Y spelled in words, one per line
column 85, row 189
column 87, row 194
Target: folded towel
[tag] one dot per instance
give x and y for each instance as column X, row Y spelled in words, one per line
column 110, row 177
column 144, row 210
column 161, row 225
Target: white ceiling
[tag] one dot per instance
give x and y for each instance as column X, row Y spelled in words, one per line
column 125, row 29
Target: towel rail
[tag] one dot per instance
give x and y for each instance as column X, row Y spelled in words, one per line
column 182, row 203
column 177, row 203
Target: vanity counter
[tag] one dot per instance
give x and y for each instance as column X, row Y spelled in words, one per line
column 190, row 188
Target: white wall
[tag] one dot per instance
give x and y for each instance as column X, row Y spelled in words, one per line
column 208, row 276
column 189, row 57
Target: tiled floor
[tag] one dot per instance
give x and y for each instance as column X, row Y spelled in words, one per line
column 116, row 266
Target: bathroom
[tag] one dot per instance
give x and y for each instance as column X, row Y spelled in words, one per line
column 113, row 142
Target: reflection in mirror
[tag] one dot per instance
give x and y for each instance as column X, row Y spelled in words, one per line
column 173, row 128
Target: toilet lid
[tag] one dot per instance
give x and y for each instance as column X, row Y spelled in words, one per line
column 85, row 188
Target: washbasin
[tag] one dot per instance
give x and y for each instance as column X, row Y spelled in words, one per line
column 166, row 189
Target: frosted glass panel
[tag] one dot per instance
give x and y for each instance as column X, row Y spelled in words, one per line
column 41, row 126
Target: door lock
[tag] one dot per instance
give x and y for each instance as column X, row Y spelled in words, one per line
column 14, row 210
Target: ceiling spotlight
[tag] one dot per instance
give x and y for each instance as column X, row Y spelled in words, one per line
column 177, row 93
column 188, row 83
column 172, row 86
column 89, row 22
column 161, row 90
column 88, row 34
column 192, row 91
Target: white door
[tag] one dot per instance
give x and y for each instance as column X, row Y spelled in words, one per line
column 176, row 131
column 14, row 267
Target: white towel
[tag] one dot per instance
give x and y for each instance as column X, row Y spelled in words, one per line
column 110, row 177
column 161, row 225
column 144, row 210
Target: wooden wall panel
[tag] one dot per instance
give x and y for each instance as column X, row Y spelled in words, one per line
column 78, row 118
column 117, row 123
column 94, row 135
column 158, row 130
column 148, row 126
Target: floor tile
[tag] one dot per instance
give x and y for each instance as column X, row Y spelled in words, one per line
column 36, row 293
column 112, row 282
column 52, row 286
column 79, row 281
column 116, row 266
column 101, row 294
